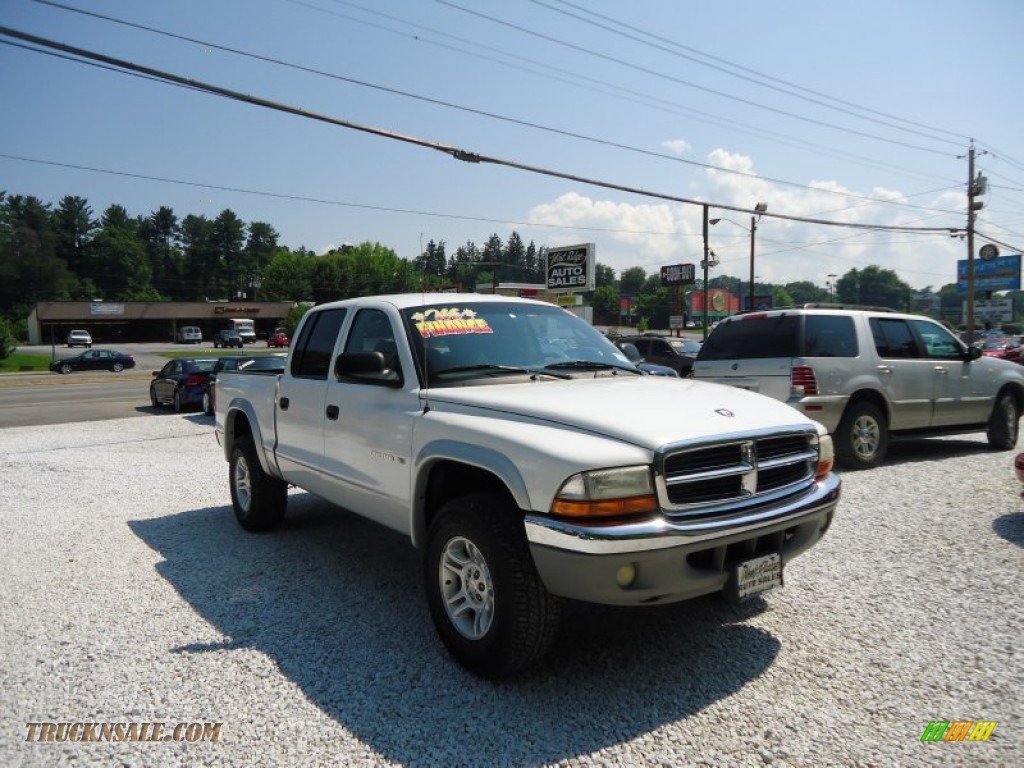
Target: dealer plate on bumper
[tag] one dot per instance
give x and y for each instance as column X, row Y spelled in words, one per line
column 753, row 577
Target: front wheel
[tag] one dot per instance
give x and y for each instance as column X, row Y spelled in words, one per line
column 862, row 437
column 489, row 606
column 259, row 500
column 65, row 369
column 153, row 398
column 1004, row 423
column 117, row 367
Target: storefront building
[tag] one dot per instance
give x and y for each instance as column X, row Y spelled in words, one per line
column 112, row 322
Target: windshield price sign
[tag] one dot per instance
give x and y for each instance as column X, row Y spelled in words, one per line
column 570, row 268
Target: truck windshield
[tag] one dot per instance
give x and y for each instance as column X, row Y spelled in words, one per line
column 482, row 339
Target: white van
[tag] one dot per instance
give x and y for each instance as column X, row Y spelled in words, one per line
column 190, row 334
column 246, row 329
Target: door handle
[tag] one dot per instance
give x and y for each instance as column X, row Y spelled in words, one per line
column 941, row 369
column 332, row 412
column 884, row 369
column 284, row 402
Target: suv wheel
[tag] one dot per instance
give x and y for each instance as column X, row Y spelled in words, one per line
column 862, row 437
column 486, row 599
column 1004, row 423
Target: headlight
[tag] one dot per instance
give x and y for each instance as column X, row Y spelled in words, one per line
column 606, row 493
column 826, row 456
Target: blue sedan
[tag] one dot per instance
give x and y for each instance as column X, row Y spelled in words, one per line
column 181, row 382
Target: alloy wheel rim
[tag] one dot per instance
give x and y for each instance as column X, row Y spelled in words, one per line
column 466, row 588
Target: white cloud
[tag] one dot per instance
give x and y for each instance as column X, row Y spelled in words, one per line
column 656, row 234
column 677, row 146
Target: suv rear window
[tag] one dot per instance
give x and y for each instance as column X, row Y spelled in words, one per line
column 753, row 337
column 770, row 336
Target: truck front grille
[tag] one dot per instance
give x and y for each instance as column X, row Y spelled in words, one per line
column 701, row 481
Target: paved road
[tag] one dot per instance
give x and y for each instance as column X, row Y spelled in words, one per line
column 37, row 399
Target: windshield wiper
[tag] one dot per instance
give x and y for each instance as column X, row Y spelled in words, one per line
column 499, row 369
column 586, row 365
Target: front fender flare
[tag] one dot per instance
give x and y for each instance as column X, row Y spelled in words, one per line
column 487, row 459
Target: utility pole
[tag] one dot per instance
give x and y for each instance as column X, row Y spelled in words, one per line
column 970, row 244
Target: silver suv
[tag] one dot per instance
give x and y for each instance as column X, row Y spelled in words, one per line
column 867, row 374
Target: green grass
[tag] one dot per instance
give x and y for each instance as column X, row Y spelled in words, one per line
column 22, row 362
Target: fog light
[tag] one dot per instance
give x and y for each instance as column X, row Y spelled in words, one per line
column 626, row 575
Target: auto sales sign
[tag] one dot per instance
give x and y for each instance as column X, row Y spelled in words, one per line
column 570, row 268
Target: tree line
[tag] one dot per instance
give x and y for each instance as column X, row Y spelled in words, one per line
column 64, row 252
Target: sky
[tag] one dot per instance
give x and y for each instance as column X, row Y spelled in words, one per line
column 612, row 122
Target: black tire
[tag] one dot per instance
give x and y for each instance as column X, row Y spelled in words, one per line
column 152, row 397
column 1004, row 423
column 862, row 437
column 503, row 619
column 176, row 402
column 258, row 499
column 207, row 403
column 117, row 367
column 65, row 369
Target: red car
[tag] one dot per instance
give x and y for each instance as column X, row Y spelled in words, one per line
column 1004, row 348
column 278, row 339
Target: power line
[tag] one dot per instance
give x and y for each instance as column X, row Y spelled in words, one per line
column 689, row 84
column 600, row 86
column 616, row 26
column 471, row 110
column 454, row 152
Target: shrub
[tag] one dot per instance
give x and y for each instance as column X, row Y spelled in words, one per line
column 8, row 342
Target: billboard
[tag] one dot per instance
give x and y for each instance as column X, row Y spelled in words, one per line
column 999, row 274
column 570, row 268
column 678, row 274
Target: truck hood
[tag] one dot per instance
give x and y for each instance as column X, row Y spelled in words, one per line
column 649, row 411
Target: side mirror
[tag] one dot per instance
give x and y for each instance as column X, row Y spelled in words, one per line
column 366, row 368
column 972, row 353
column 155, row 374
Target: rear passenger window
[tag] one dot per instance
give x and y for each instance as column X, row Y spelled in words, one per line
column 311, row 358
column 829, row 336
column 893, row 338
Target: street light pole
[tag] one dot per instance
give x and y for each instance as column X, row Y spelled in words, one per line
column 704, row 321
column 759, row 208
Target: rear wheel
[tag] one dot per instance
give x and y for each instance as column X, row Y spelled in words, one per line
column 487, row 601
column 862, row 437
column 259, row 500
column 176, row 402
column 207, row 403
column 1004, row 423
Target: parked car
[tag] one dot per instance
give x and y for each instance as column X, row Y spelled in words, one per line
column 631, row 352
column 79, row 339
column 181, row 382
column 190, row 334
column 272, row 362
column 868, row 375
column 677, row 353
column 94, row 360
column 278, row 339
column 227, row 338
column 1004, row 348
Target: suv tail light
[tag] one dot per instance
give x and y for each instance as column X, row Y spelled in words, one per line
column 804, row 382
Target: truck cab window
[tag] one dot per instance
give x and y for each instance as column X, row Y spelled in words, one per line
column 315, row 346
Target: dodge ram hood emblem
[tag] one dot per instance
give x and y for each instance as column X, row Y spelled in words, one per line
column 735, row 366
column 724, row 412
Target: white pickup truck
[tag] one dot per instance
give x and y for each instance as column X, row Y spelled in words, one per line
column 529, row 460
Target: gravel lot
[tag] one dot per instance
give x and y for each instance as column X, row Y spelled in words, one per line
column 129, row 594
